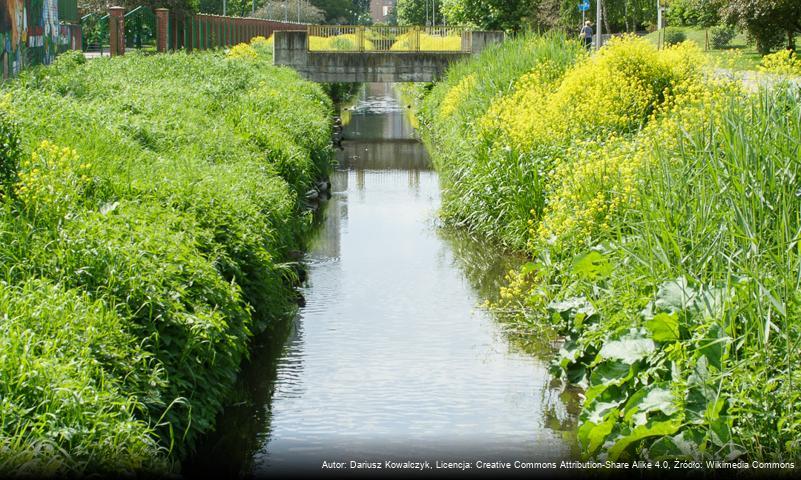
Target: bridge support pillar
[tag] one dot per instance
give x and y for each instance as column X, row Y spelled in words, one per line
column 481, row 40
column 290, row 48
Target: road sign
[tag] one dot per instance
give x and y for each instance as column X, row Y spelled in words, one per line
column 584, row 6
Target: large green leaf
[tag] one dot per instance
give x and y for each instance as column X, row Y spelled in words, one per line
column 592, row 266
column 703, row 402
column 591, row 435
column 714, row 344
column 608, row 374
column 629, row 349
column 575, row 309
column 674, row 296
column 652, row 428
column 664, row 327
column 678, row 296
column 683, row 445
column 653, row 398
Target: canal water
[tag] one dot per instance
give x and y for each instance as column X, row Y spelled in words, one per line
column 390, row 358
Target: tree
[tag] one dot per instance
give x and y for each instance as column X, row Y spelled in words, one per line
column 418, row 12
column 343, row 11
column 509, row 15
column 101, row 6
column 700, row 13
column 764, row 18
column 619, row 15
column 274, row 9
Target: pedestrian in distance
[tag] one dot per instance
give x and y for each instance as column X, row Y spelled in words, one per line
column 586, row 34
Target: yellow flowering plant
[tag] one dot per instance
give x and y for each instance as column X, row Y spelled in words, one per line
column 782, row 62
column 52, row 180
column 242, row 51
column 456, row 96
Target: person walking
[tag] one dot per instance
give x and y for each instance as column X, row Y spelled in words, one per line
column 586, row 34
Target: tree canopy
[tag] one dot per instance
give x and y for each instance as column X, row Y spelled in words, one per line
column 767, row 21
column 418, row 12
column 278, row 10
column 510, row 15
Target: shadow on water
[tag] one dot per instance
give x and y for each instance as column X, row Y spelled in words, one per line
column 390, row 358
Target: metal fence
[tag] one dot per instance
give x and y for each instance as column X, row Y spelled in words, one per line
column 94, row 28
column 140, row 31
column 379, row 38
column 202, row 32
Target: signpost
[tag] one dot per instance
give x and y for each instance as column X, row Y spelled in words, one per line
column 584, row 5
column 598, row 24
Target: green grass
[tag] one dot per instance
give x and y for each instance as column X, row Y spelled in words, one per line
column 738, row 55
column 136, row 265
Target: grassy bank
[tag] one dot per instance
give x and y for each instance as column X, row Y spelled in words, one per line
column 661, row 214
column 148, row 207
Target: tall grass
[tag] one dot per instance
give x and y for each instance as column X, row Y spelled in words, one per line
column 143, row 240
column 487, row 188
column 663, row 238
column 725, row 210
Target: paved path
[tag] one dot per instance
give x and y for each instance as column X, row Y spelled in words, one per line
column 91, row 55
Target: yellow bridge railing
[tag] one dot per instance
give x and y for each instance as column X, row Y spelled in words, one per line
column 346, row 38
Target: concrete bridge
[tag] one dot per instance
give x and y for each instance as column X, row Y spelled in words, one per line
column 396, row 54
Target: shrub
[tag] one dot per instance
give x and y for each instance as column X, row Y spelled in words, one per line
column 721, row 35
column 783, row 62
column 167, row 193
column 560, row 105
column 52, row 182
column 9, row 152
column 674, row 35
column 243, row 51
column 70, row 59
column 471, row 164
column 767, row 39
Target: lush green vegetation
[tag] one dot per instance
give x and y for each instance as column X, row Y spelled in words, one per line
column 736, row 54
column 149, row 204
column 661, row 213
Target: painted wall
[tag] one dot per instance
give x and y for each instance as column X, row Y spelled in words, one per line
column 31, row 34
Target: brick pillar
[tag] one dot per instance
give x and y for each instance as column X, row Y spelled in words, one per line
column 162, row 23
column 116, row 30
column 77, row 38
column 189, row 33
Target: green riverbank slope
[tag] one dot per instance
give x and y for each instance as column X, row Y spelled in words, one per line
column 661, row 214
column 148, row 207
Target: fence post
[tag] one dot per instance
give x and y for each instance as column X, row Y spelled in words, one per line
column 116, row 30
column 162, row 17
column 77, row 38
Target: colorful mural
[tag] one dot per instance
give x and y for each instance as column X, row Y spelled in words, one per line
column 30, row 33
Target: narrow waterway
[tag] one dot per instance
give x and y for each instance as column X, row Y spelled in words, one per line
column 390, row 358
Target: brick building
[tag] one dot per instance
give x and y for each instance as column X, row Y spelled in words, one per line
column 380, row 9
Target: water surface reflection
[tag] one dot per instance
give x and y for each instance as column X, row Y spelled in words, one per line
column 390, row 358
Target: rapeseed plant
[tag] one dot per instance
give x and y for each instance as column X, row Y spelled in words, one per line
column 662, row 221
column 781, row 62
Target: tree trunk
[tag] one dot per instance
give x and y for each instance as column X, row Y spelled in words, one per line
column 791, row 40
column 626, row 15
column 606, row 19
